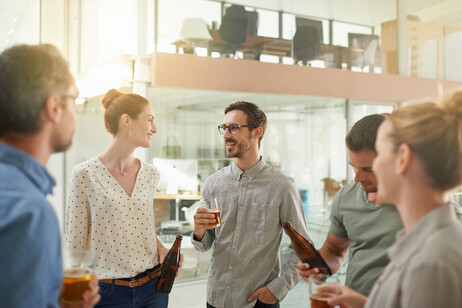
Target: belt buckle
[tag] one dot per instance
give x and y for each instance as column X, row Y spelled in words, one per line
column 130, row 283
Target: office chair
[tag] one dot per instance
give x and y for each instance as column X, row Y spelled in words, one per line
column 369, row 55
column 363, row 48
column 306, row 44
column 233, row 28
column 252, row 22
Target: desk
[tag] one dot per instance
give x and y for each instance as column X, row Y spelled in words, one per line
column 160, row 206
column 258, row 45
column 255, row 44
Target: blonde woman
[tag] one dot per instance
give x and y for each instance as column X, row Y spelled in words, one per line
column 110, row 207
column 419, row 161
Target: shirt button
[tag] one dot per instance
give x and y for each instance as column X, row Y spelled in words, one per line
column 227, row 287
column 230, row 267
column 237, row 228
column 234, row 247
column 240, row 207
column 242, row 187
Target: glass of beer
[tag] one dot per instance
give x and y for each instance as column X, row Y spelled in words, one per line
column 318, row 299
column 211, row 204
column 78, row 268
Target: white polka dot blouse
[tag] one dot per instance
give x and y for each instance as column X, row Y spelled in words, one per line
column 102, row 217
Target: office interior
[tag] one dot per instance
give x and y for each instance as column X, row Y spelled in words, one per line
column 315, row 67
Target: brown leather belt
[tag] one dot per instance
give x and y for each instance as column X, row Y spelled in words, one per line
column 133, row 283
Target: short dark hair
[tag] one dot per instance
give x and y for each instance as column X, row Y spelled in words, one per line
column 29, row 74
column 255, row 116
column 364, row 132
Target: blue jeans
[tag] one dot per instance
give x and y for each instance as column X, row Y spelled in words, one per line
column 144, row 296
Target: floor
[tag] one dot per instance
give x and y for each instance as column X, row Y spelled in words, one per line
column 189, row 294
column 192, row 295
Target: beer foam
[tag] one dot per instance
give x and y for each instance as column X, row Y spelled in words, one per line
column 77, row 272
column 322, row 296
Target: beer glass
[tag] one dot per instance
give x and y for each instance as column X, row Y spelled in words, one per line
column 317, row 299
column 78, row 269
column 211, row 205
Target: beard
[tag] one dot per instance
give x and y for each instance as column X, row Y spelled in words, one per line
column 238, row 148
column 62, row 144
column 62, row 147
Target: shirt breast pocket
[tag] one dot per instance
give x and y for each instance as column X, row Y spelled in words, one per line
column 263, row 217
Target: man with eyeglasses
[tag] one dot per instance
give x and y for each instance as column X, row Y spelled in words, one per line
column 256, row 199
column 37, row 118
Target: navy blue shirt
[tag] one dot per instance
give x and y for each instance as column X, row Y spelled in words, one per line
column 30, row 242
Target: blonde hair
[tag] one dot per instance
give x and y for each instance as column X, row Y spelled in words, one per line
column 116, row 104
column 434, row 133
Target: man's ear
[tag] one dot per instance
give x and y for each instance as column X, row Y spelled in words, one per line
column 404, row 158
column 53, row 109
column 258, row 132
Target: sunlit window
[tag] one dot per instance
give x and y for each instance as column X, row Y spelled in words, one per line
column 20, row 21
column 341, row 30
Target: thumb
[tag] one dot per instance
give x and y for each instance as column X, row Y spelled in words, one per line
column 340, row 300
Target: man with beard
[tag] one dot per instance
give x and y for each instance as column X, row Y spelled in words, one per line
column 37, row 118
column 256, row 199
column 358, row 224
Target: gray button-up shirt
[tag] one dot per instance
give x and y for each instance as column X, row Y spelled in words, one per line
column 426, row 265
column 254, row 205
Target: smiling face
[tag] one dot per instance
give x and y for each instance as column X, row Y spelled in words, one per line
column 362, row 165
column 384, row 165
column 142, row 128
column 241, row 143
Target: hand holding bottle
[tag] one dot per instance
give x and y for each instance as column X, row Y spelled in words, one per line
column 163, row 253
column 306, row 251
column 305, row 270
column 171, row 263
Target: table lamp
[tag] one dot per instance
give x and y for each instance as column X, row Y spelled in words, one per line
column 195, row 32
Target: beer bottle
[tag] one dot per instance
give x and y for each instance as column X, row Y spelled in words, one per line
column 168, row 270
column 306, row 251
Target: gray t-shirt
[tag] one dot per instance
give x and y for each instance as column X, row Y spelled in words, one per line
column 371, row 229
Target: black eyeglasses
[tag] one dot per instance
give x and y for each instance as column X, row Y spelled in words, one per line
column 78, row 99
column 232, row 128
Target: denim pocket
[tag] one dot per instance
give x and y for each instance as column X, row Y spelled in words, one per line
column 105, row 288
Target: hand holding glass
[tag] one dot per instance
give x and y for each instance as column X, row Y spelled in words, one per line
column 78, row 269
column 317, row 299
column 211, row 205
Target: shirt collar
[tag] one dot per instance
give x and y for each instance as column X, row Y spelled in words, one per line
column 251, row 173
column 31, row 168
column 408, row 243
